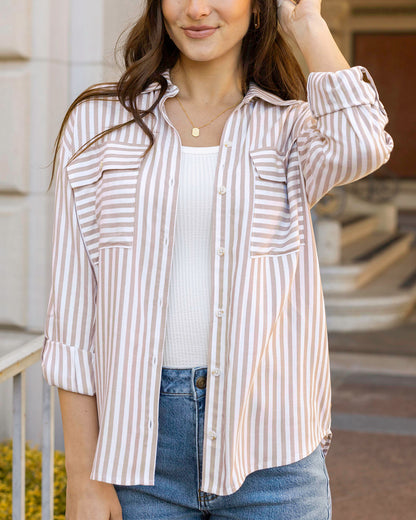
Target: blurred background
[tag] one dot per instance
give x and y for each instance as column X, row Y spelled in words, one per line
column 365, row 232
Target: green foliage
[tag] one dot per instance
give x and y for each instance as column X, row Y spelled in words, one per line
column 33, row 499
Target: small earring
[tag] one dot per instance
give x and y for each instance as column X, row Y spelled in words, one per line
column 257, row 20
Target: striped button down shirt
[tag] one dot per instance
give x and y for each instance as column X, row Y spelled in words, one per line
column 268, row 394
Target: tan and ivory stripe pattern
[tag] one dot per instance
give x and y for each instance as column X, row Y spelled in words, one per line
column 268, row 394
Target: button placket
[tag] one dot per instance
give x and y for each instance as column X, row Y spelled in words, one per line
column 221, row 190
column 218, row 275
column 220, row 252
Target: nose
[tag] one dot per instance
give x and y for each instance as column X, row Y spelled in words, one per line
column 198, row 8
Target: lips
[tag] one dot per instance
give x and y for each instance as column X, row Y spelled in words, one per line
column 199, row 32
column 200, row 27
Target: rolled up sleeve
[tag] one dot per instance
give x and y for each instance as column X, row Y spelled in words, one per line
column 68, row 348
column 340, row 131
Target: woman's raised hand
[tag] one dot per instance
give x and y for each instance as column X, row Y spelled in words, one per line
column 292, row 13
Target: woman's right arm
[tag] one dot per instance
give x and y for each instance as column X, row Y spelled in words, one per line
column 68, row 352
column 80, row 426
column 86, row 499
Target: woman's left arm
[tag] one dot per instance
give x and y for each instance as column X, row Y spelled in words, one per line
column 303, row 23
column 340, row 130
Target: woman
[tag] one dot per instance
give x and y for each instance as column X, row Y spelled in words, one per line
column 194, row 381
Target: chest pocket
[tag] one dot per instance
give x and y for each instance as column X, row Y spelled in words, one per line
column 104, row 182
column 274, row 225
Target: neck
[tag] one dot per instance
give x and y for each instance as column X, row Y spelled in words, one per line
column 207, row 83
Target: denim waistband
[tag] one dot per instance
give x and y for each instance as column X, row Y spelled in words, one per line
column 182, row 380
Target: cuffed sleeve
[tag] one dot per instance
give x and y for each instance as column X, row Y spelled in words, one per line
column 340, row 132
column 68, row 349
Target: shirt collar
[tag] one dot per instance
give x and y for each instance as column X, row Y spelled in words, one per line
column 253, row 91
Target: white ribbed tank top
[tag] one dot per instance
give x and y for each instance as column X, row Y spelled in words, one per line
column 186, row 340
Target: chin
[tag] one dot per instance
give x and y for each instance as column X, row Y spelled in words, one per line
column 200, row 55
column 201, row 58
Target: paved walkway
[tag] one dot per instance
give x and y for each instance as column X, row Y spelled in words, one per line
column 372, row 459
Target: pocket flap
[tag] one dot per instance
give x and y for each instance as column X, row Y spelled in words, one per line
column 270, row 165
column 88, row 167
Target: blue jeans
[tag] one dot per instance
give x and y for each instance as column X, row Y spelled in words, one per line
column 297, row 491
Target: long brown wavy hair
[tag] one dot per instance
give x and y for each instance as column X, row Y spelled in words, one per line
column 148, row 51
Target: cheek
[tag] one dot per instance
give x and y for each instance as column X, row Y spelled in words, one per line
column 237, row 28
column 236, row 9
column 168, row 13
column 169, row 10
column 237, row 15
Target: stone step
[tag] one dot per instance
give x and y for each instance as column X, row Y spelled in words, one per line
column 356, row 227
column 364, row 260
column 384, row 302
column 407, row 221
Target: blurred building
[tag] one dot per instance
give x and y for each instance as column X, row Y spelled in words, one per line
column 50, row 51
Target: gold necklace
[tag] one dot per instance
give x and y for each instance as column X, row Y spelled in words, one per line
column 195, row 129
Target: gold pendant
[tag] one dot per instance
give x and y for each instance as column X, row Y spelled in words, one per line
column 195, row 132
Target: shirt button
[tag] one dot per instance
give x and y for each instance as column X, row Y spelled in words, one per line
column 220, row 312
column 220, row 251
column 215, row 372
column 222, row 190
column 227, row 144
column 212, row 434
column 101, row 164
